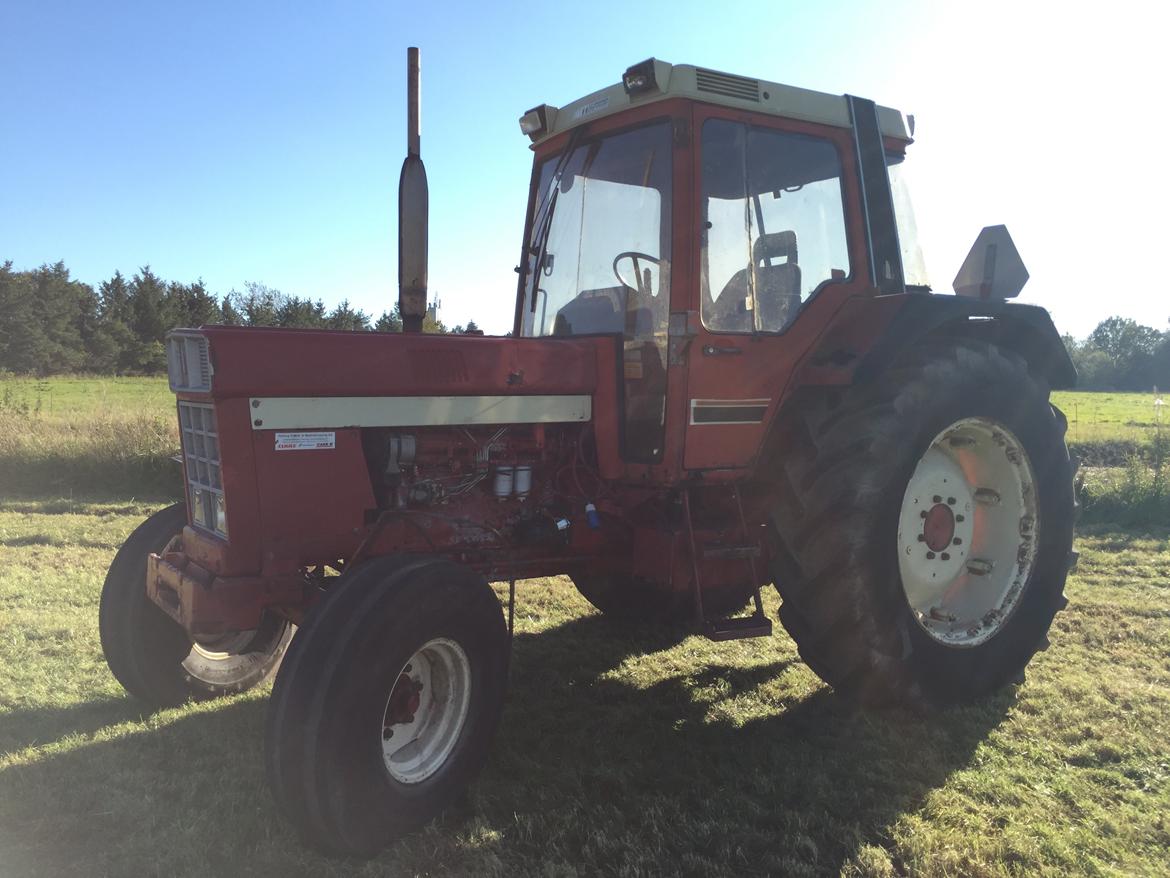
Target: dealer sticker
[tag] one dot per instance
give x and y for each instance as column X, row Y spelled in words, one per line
column 305, row 441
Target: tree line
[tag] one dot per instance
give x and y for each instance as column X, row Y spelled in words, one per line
column 1122, row 354
column 51, row 323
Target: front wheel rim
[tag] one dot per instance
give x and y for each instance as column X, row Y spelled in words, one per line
column 426, row 711
column 968, row 532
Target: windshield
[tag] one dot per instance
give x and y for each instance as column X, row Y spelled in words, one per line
column 598, row 261
column 606, row 256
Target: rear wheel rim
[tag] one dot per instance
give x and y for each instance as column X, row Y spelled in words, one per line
column 967, row 532
column 426, row 711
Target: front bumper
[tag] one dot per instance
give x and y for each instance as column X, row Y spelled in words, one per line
column 207, row 605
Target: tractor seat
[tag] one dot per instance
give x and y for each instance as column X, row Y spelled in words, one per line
column 777, row 286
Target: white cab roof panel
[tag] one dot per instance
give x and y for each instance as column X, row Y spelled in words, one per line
column 724, row 89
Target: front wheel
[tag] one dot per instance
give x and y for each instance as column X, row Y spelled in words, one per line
column 923, row 532
column 151, row 655
column 388, row 702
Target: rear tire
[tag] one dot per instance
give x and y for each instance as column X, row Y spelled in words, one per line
column 334, row 766
column 847, row 470
column 151, row 655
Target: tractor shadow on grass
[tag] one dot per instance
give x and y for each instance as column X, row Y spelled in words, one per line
column 41, row 726
column 730, row 769
column 722, row 770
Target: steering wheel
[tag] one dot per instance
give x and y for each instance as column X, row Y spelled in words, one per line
column 642, row 282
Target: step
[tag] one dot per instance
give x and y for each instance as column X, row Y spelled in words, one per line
column 729, row 551
column 738, row 628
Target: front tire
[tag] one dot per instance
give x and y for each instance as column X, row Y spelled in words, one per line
column 151, row 655
column 388, row 702
column 954, row 455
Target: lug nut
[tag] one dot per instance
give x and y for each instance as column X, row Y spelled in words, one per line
column 937, row 498
column 960, row 518
column 946, row 556
column 950, row 501
column 930, row 556
column 922, row 538
column 957, row 541
column 923, row 514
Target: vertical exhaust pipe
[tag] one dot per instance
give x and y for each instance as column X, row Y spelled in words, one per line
column 413, row 210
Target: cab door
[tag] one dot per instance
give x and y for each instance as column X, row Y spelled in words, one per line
column 780, row 249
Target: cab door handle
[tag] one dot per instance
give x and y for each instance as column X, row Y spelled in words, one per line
column 710, row 350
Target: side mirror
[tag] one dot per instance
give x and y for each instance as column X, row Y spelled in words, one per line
column 993, row 269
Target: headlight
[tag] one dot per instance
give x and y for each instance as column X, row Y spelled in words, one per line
column 188, row 361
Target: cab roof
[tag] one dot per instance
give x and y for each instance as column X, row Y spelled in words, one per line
column 660, row 81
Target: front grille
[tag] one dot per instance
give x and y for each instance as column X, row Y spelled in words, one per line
column 728, row 85
column 201, row 457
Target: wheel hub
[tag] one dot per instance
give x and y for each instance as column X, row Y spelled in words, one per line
column 403, row 705
column 938, row 528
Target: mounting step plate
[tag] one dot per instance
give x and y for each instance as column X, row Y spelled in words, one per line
column 737, row 629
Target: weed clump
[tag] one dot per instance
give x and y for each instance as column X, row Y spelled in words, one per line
column 1139, row 494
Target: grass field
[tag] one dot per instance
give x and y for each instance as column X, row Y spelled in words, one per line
column 634, row 751
column 637, row 751
column 73, row 436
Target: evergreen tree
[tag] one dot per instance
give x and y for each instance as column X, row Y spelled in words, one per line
column 345, row 317
column 191, row 305
column 150, row 318
column 115, row 296
column 301, row 313
column 390, row 321
column 231, row 316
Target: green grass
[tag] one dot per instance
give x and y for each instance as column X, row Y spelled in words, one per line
column 1106, row 429
column 1103, row 416
column 634, row 751
column 69, row 396
column 81, row 436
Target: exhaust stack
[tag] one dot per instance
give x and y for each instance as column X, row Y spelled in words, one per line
column 413, row 210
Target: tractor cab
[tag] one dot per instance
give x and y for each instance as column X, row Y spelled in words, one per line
column 696, row 214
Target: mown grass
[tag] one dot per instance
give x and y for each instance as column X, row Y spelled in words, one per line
column 633, row 751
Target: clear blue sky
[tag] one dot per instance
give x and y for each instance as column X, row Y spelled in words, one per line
column 262, row 141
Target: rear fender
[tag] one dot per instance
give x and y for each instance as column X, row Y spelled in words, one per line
column 869, row 335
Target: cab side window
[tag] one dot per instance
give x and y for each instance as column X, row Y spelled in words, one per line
column 773, row 225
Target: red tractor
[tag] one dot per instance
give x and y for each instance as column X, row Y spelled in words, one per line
column 726, row 369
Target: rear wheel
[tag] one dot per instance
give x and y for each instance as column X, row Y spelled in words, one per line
column 924, row 530
column 151, row 655
column 388, row 702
